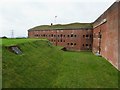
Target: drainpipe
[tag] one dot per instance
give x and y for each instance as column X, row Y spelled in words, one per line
column 100, row 41
column 56, row 37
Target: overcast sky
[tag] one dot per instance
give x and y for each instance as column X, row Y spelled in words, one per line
column 21, row 15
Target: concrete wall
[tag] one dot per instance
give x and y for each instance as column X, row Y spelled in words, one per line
column 107, row 26
column 71, row 39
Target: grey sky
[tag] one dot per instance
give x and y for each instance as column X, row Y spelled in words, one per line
column 21, row 15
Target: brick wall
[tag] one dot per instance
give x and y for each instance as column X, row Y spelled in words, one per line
column 119, row 36
column 106, row 26
column 71, row 39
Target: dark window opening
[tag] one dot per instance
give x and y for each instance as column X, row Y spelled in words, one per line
column 74, row 43
column 74, row 35
column 51, row 35
column 54, row 35
column 64, row 35
column 83, row 44
column 71, row 35
column 71, row 43
column 58, row 35
column 36, row 35
column 86, row 35
column 86, row 44
column 83, row 36
column 68, row 35
column 64, row 40
column 67, row 43
column 58, row 40
column 61, row 40
column 44, row 35
column 100, row 36
column 61, row 35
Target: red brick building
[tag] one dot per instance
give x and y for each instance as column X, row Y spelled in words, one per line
column 76, row 39
column 101, row 36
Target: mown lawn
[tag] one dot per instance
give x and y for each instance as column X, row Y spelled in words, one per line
column 46, row 66
column 0, row 64
column 10, row 42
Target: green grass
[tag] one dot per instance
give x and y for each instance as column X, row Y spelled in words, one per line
column 10, row 42
column 44, row 66
column 0, row 64
column 63, row 26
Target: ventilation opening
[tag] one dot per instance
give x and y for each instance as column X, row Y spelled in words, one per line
column 15, row 49
column 64, row 49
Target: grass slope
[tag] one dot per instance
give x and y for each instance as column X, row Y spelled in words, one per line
column 0, row 64
column 44, row 66
column 10, row 42
column 63, row 26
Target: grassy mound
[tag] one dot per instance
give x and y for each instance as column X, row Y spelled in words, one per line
column 44, row 66
column 63, row 26
column 37, row 67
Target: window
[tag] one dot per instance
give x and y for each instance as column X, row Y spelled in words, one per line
column 61, row 35
column 54, row 35
column 58, row 40
column 83, row 36
column 64, row 35
column 68, row 35
column 99, row 35
column 71, row 43
column 83, row 45
column 61, row 40
column 87, row 35
column 74, row 35
column 51, row 35
column 64, row 40
column 67, row 43
column 58, row 35
column 86, row 44
column 74, row 43
column 44, row 35
column 71, row 35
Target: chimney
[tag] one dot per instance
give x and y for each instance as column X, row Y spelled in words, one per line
column 51, row 24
